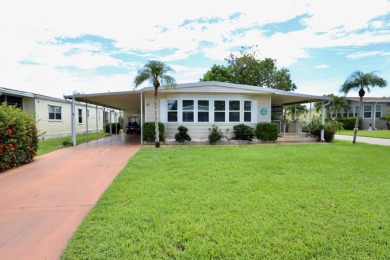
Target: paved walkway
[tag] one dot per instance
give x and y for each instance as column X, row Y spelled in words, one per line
column 43, row 203
column 369, row 140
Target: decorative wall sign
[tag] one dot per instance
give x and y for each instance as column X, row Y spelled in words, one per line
column 263, row 111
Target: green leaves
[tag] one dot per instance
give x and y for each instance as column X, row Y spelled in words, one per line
column 18, row 137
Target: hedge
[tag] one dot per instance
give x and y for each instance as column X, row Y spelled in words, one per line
column 149, row 131
column 267, row 131
column 18, row 137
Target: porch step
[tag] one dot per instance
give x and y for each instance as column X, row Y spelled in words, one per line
column 296, row 137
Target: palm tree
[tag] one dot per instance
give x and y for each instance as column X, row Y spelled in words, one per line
column 361, row 81
column 155, row 72
column 295, row 110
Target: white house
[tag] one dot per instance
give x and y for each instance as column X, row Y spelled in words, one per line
column 200, row 105
column 53, row 115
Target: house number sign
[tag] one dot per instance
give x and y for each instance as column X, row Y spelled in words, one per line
column 263, row 111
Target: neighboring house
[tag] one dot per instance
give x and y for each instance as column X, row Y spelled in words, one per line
column 373, row 109
column 200, row 105
column 53, row 115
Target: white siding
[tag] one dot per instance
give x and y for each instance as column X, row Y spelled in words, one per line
column 200, row 130
column 61, row 128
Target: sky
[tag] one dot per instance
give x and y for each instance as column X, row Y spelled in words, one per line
column 56, row 48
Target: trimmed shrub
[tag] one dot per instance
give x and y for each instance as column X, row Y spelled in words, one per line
column 330, row 128
column 267, row 131
column 349, row 122
column 18, row 137
column 215, row 134
column 149, row 131
column 115, row 128
column 243, row 132
column 182, row 135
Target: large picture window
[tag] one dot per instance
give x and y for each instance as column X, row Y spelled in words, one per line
column 172, row 110
column 188, row 110
column 203, row 110
column 219, row 111
column 247, row 111
column 55, row 113
column 234, row 111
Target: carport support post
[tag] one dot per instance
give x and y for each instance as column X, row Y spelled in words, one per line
column 97, row 123
column 86, row 120
column 73, row 121
column 322, row 121
column 142, row 120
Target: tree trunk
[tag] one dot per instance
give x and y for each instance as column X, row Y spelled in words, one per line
column 355, row 130
column 157, row 139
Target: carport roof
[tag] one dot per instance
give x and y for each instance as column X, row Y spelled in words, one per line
column 130, row 100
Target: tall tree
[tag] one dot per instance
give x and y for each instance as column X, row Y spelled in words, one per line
column 246, row 69
column 361, row 81
column 157, row 73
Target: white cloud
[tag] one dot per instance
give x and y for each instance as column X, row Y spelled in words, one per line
column 321, row 66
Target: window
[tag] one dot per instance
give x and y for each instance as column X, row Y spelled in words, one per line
column 219, row 111
column 87, row 113
column 172, row 110
column 378, row 111
column 80, row 116
column 367, row 111
column 247, row 111
column 54, row 113
column 188, row 110
column 350, row 113
column 356, row 111
column 203, row 110
column 234, row 111
column 12, row 101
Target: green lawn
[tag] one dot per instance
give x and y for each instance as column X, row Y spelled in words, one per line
column 376, row 133
column 306, row 201
column 47, row 146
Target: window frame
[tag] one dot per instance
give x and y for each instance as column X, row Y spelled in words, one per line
column 80, row 116
column 366, row 111
column 55, row 113
column 378, row 112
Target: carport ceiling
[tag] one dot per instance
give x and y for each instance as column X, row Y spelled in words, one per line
column 126, row 101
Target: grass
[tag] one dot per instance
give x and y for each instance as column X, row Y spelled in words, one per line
column 309, row 201
column 366, row 133
column 51, row 145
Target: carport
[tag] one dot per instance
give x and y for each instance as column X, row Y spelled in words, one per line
column 130, row 102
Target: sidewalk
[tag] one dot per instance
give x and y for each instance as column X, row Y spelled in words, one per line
column 369, row 140
column 42, row 203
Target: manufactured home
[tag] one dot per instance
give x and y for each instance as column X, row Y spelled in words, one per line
column 198, row 106
column 53, row 115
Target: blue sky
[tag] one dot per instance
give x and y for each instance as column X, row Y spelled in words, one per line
column 58, row 47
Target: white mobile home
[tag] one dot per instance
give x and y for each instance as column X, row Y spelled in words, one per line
column 200, row 105
column 53, row 115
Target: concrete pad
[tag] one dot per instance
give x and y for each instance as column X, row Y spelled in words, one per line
column 43, row 203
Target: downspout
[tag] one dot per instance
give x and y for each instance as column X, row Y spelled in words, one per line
column 323, row 119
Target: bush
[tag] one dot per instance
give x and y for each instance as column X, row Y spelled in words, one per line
column 349, row 122
column 243, row 132
column 267, row 131
column 115, row 128
column 67, row 143
column 182, row 135
column 18, row 137
column 215, row 134
column 330, row 128
column 149, row 131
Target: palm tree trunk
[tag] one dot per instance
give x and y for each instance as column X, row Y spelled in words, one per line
column 157, row 139
column 355, row 130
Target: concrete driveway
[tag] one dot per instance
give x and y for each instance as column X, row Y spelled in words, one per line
column 43, row 203
column 369, row 140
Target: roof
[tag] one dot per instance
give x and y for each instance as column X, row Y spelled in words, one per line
column 130, row 100
column 371, row 99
